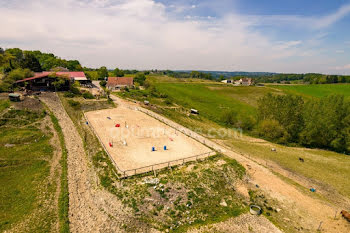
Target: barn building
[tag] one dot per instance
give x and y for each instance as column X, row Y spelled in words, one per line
column 116, row 83
column 44, row 81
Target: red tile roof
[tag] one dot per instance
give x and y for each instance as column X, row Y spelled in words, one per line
column 71, row 75
column 115, row 81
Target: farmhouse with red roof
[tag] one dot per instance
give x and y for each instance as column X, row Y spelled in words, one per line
column 116, row 83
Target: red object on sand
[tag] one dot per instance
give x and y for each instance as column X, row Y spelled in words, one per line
column 110, row 144
column 171, row 139
column 117, row 125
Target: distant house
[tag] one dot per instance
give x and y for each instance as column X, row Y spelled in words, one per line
column 116, row 83
column 44, row 80
column 227, row 81
column 244, row 82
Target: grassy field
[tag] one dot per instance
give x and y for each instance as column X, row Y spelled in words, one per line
column 316, row 90
column 27, row 194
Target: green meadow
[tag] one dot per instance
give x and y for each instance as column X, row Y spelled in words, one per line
column 25, row 156
column 316, row 90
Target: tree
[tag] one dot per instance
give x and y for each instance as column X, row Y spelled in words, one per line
column 102, row 73
column 118, row 73
column 74, row 65
column 60, row 83
column 103, row 83
column 286, row 109
column 327, row 123
column 140, row 78
column 272, row 130
column 30, row 62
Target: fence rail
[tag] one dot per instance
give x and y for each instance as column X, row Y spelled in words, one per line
column 168, row 164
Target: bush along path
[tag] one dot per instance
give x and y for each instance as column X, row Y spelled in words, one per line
column 90, row 208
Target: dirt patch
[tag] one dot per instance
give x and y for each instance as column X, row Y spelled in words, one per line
column 244, row 223
column 29, row 103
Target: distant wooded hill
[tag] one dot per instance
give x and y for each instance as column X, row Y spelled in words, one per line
column 266, row 77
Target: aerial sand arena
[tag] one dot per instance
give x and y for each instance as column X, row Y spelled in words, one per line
column 134, row 139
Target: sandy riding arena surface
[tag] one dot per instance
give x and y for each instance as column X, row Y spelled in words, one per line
column 129, row 136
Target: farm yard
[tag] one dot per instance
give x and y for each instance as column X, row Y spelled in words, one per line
column 152, row 116
column 173, row 199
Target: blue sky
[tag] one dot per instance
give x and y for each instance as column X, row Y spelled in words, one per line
column 277, row 36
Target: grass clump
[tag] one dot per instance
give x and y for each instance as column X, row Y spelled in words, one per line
column 88, row 95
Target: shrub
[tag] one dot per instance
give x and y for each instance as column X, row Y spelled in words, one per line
column 167, row 101
column 272, row 130
column 75, row 90
column 74, row 104
column 88, row 95
column 229, row 117
column 103, row 83
column 246, row 122
column 163, row 95
column 69, row 95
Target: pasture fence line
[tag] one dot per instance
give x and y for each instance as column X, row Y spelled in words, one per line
column 167, row 164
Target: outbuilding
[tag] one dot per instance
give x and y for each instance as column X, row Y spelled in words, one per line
column 117, row 83
column 44, row 80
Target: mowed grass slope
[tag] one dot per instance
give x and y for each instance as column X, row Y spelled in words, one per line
column 209, row 100
column 25, row 154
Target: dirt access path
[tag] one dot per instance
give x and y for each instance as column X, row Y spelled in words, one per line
column 308, row 210
column 90, row 208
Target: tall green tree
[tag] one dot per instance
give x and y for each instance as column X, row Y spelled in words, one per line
column 118, row 73
column 102, row 73
column 31, row 62
column 287, row 110
column 327, row 123
column 140, row 78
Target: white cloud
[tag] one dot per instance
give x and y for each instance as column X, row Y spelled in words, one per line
column 334, row 17
column 141, row 34
column 343, row 68
column 289, row 44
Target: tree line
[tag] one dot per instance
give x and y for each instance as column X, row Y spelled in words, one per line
column 310, row 78
column 320, row 123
